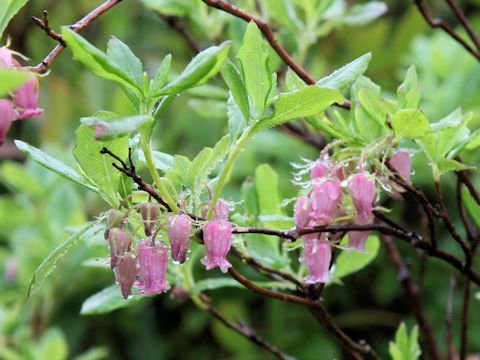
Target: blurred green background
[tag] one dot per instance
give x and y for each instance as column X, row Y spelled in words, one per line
column 38, row 209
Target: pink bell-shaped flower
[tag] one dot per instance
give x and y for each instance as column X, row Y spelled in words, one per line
column 221, row 210
column 302, row 212
column 120, row 242
column 152, row 268
column 217, row 237
column 26, row 99
column 362, row 189
column 319, row 170
column 401, row 161
column 149, row 212
column 357, row 239
column 6, row 117
column 6, row 59
column 326, row 197
column 126, row 273
column 317, row 257
column 179, row 228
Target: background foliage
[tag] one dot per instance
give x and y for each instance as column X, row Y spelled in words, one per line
column 39, row 210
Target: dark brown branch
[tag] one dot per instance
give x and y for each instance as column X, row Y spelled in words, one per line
column 271, row 38
column 463, row 176
column 414, row 297
column 304, row 135
column 269, row 293
column 274, row 273
column 45, row 26
column 178, row 25
column 471, row 232
column 437, row 23
column 464, row 323
column 81, row 24
column 243, row 329
column 452, row 354
column 464, row 21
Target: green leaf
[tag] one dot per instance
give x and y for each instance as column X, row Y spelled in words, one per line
column 50, row 262
column 410, row 124
column 171, row 7
column 97, row 167
column 408, row 92
column 96, row 353
column 283, row 12
column 234, row 80
column 98, row 62
column 110, row 128
column 202, row 67
column 236, row 121
column 54, row 165
column 107, row 300
column 161, row 75
column 406, row 346
column 123, row 57
column 471, row 205
column 362, row 14
column 7, row 11
column 342, row 78
column 52, row 346
column 308, row 101
column 350, row 261
column 372, row 103
column 253, row 56
column 447, row 165
column 162, row 161
column 11, row 79
column 474, row 143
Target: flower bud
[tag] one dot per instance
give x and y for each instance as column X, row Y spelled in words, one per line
column 357, row 239
column 302, row 212
column 115, row 219
column 6, row 118
column 217, row 237
column 362, row 190
column 317, row 257
column 152, row 268
column 26, row 99
column 221, row 210
column 6, row 59
column 326, row 198
column 126, row 273
column 120, row 242
column 319, row 170
column 401, row 161
column 149, row 212
column 179, row 228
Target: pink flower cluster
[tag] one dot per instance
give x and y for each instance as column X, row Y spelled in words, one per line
column 323, row 205
column 146, row 270
column 23, row 103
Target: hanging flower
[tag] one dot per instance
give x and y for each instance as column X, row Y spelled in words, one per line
column 120, row 242
column 362, row 189
column 126, row 273
column 302, row 212
column 179, row 228
column 152, row 268
column 317, row 257
column 6, row 118
column 26, row 99
column 326, row 197
column 401, row 161
column 217, row 237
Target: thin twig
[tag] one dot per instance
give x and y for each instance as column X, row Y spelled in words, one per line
column 45, row 26
column 464, row 21
column 463, row 176
column 414, row 297
column 81, row 24
column 178, row 25
column 243, row 329
column 464, row 323
column 471, row 232
column 271, row 38
column 452, row 354
column 437, row 23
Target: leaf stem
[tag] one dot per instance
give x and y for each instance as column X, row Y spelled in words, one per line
column 145, row 142
column 225, row 173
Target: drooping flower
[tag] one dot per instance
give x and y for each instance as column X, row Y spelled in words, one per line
column 362, row 189
column 149, row 212
column 326, row 197
column 401, row 161
column 126, row 273
column 221, row 210
column 6, row 59
column 26, row 99
column 357, row 239
column 152, row 268
column 302, row 212
column 217, row 237
column 6, row 118
column 317, row 257
column 319, row 169
column 120, row 242
column 179, row 228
